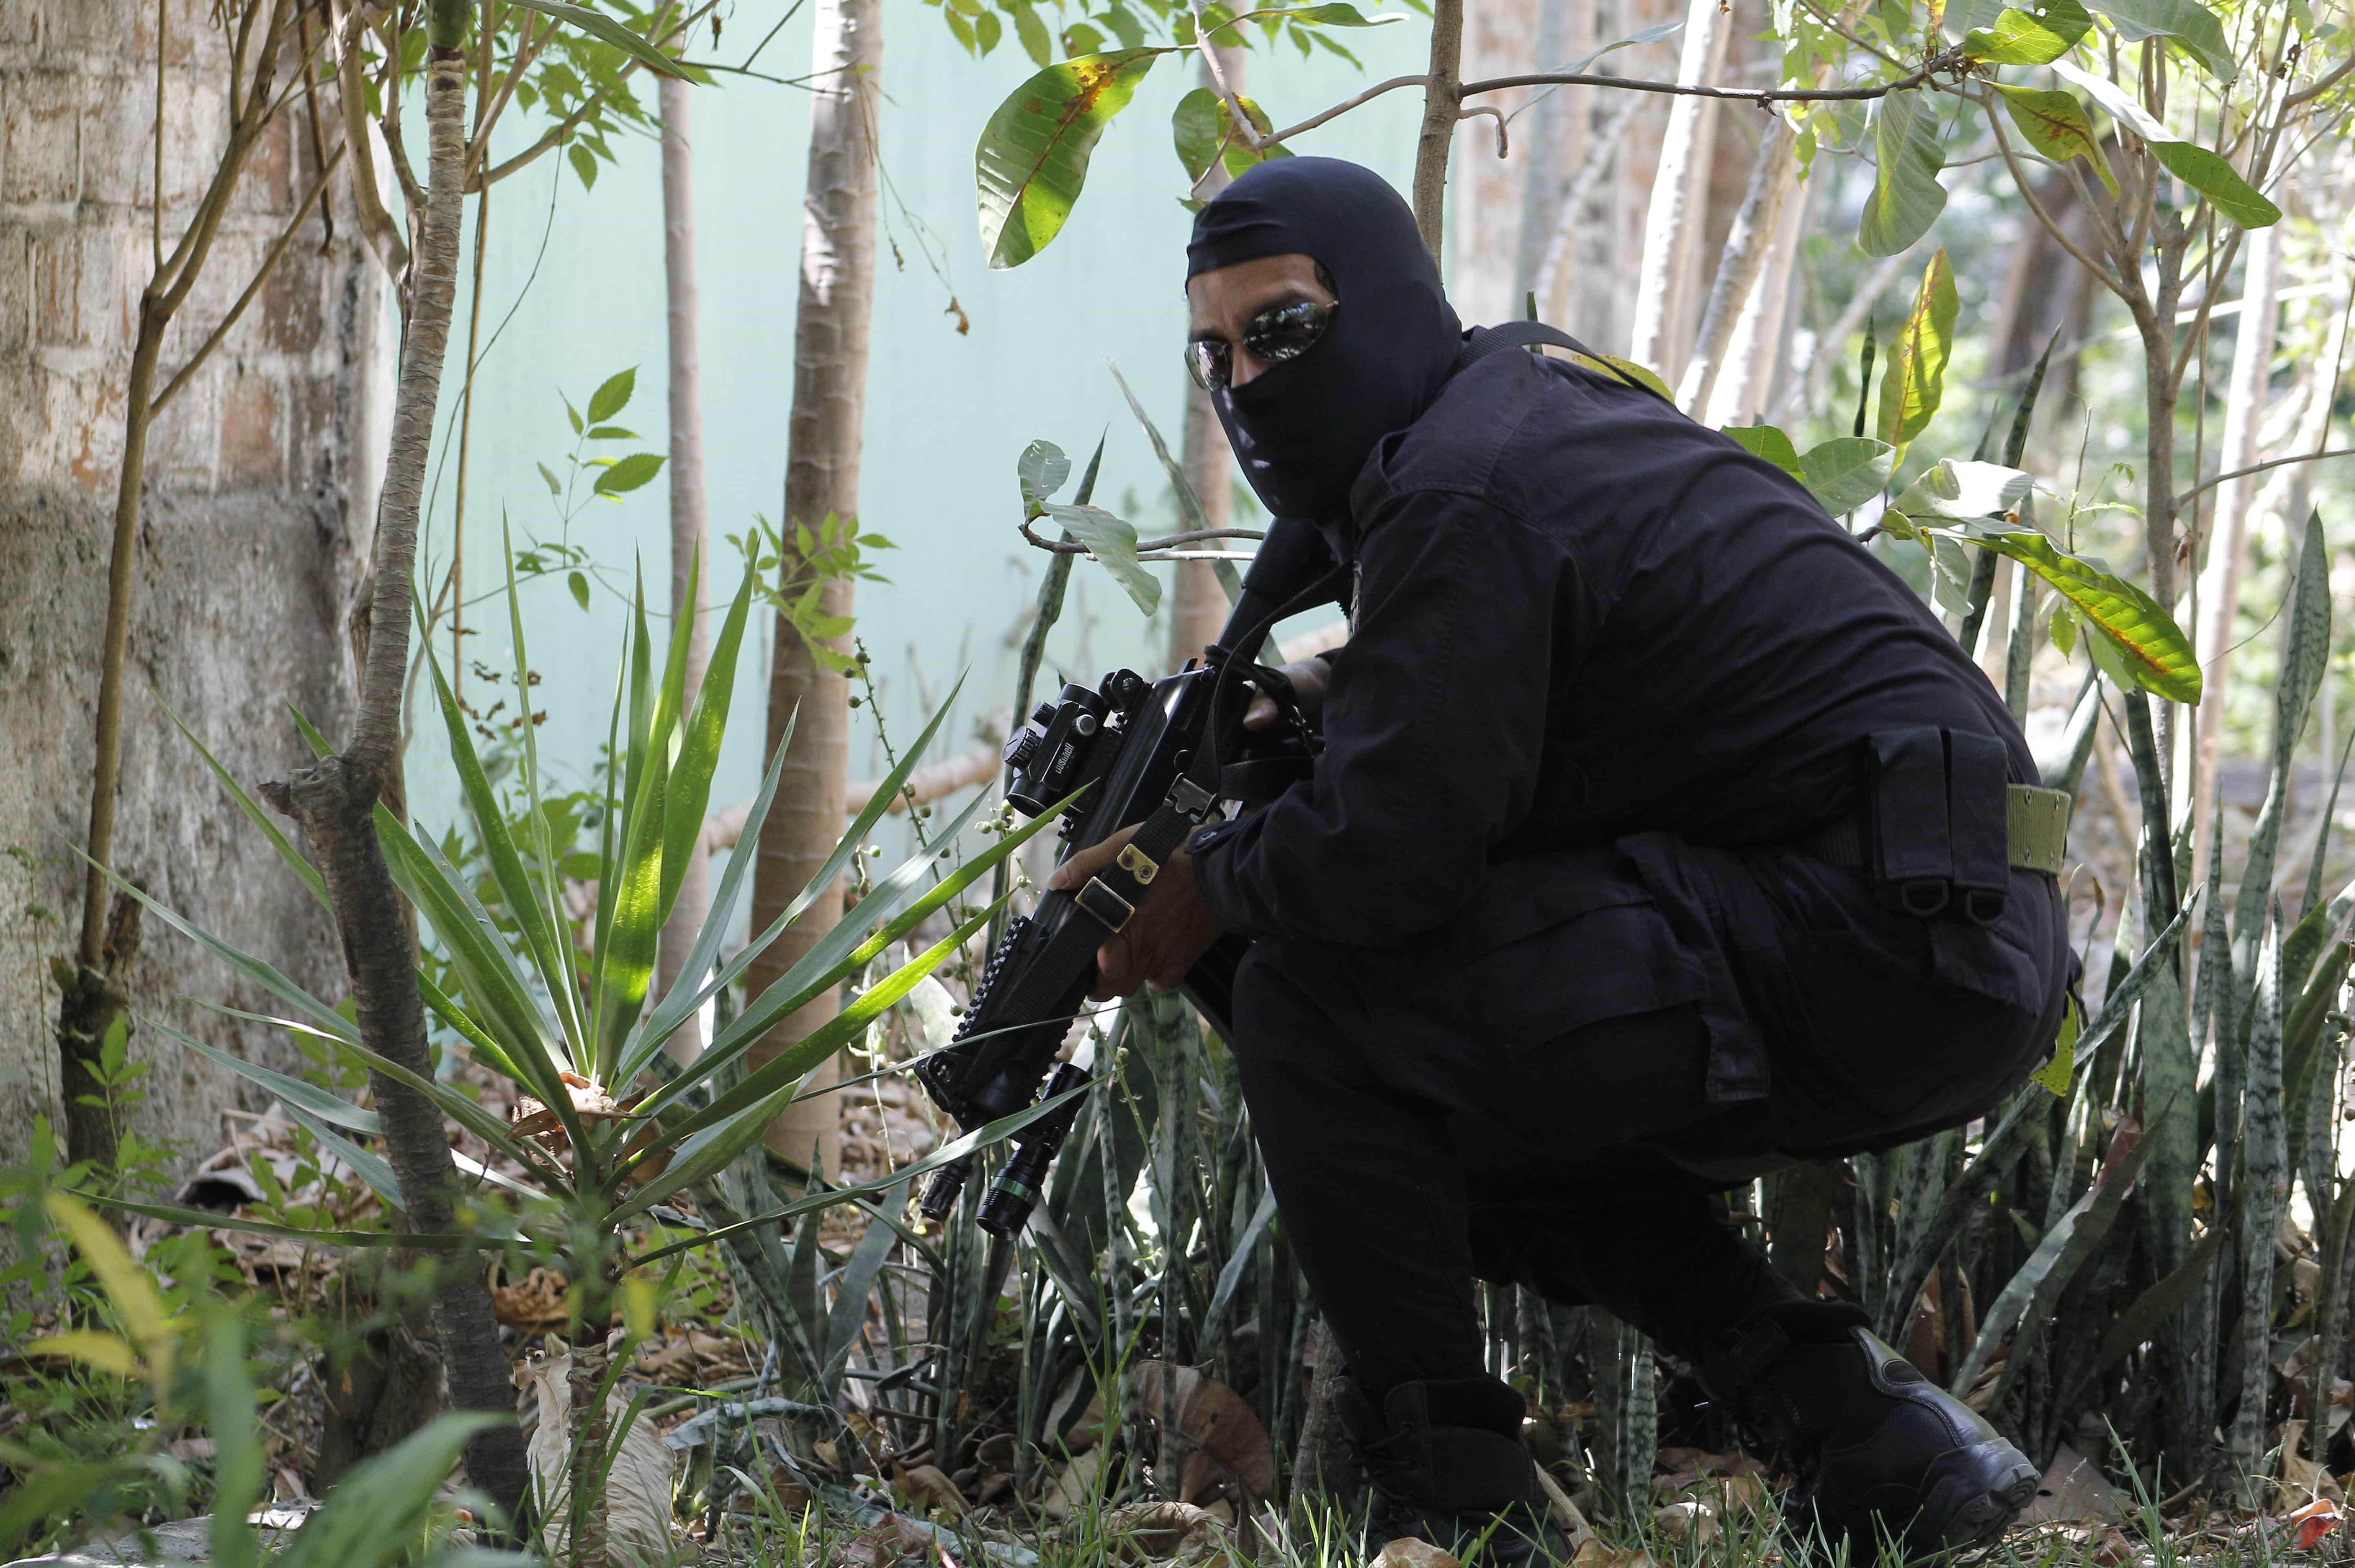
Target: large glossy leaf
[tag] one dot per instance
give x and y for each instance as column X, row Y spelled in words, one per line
column 2194, row 165
column 2030, row 34
column 1915, row 382
column 1033, row 156
column 1042, row 470
column 1112, row 541
column 2055, row 124
column 1906, row 197
column 2198, row 28
column 2152, row 648
column 1764, row 441
column 1846, row 471
column 1963, row 491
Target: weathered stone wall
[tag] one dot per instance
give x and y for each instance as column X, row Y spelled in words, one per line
column 247, row 547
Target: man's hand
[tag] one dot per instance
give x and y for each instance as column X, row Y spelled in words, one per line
column 1172, row 926
column 1308, row 680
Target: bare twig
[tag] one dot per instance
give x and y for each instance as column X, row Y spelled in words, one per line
column 1070, row 547
column 260, row 276
column 2206, row 485
column 1504, row 147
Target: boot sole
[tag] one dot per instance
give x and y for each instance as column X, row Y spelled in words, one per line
column 1972, row 1495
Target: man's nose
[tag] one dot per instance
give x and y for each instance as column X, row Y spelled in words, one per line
column 1243, row 367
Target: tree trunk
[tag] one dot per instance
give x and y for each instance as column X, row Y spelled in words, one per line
column 2228, row 531
column 1773, row 173
column 689, row 532
column 1198, row 605
column 336, row 799
column 1745, row 388
column 93, row 994
column 837, row 293
column 1442, row 104
column 1672, row 224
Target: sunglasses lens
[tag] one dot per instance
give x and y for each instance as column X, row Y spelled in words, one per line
column 1288, row 332
column 1207, row 362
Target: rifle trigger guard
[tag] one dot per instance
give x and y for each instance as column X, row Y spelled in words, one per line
column 1138, row 864
column 1109, row 908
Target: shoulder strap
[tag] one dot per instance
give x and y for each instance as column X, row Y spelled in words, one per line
column 1487, row 340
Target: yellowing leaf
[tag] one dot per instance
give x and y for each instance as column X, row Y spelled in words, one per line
column 1033, row 155
column 1765, row 441
column 1916, row 383
column 2056, row 126
column 125, row 1282
column 107, row 1352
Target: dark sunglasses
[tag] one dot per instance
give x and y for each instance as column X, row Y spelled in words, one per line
column 1283, row 331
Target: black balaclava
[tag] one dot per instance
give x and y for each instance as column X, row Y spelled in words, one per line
column 1303, row 429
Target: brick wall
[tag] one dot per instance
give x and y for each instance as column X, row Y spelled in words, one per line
column 247, row 543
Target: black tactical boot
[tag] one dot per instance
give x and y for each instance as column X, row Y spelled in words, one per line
column 1442, row 1462
column 1883, row 1454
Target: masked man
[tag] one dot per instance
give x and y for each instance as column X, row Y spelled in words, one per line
column 1662, row 839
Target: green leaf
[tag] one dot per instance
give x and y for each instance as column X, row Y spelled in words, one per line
column 1032, row 158
column 2055, row 125
column 2153, row 651
column 127, row 1286
column 584, row 165
column 987, row 30
column 1846, row 471
column 1340, row 16
column 606, row 29
column 1765, row 441
column 1965, row 491
column 613, row 397
column 1112, row 541
column 2195, row 165
column 389, row 1500
column 1040, row 470
column 629, row 473
column 91, row 1347
column 1916, row 379
column 1195, row 127
column 579, row 582
column 254, row 969
column 1906, row 197
column 2193, row 24
column 295, row 1092
column 1035, row 41
column 548, row 474
column 2043, row 32
column 303, row 868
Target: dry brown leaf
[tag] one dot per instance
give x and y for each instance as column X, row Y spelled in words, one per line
column 534, row 1304
column 1690, row 1522
column 2114, row 1550
column 1162, row 1532
column 930, row 1486
column 1217, row 1432
column 1409, row 1552
column 590, row 1103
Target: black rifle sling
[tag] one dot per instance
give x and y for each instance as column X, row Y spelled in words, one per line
column 1487, row 340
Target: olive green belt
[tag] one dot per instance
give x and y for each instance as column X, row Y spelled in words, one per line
column 2040, row 833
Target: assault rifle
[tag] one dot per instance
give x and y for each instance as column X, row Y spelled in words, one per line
column 1159, row 755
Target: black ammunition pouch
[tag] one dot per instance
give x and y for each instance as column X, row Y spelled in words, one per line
column 1936, row 823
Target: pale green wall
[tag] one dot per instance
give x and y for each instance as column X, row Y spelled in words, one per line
column 946, row 415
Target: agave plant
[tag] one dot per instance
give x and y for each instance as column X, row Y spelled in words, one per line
column 571, row 1018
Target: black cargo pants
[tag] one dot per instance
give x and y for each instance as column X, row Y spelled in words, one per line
column 1549, row 1088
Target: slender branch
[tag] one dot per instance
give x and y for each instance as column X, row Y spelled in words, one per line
column 528, row 49
column 163, row 19
column 2307, row 95
column 1504, row 147
column 2206, row 484
column 260, row 276
column 1392, row 85
column 2028, row 194
column 1952, row 62
column 1442, row 104
column 1070, row 547
column 383, row 237
column 1243, row 121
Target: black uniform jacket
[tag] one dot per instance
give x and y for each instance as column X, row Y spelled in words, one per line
column 1582, row 620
